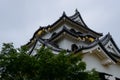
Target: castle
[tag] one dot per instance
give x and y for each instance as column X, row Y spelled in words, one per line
column 70, row 33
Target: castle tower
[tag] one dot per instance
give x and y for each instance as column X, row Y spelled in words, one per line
column 70, row 33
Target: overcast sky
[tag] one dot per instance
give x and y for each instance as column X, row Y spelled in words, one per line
column 19, row 19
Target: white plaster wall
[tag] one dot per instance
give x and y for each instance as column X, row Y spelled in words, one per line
column 66, row 43
column 79, row 20
column 37, row 46
column 93, row 61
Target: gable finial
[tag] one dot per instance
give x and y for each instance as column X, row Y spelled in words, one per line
column 109, row 34
column 64, row 14
column 76, row 10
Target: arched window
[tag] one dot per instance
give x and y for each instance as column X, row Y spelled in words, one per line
column 74, row 47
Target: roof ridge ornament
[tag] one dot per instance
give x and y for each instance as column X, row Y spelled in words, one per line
column 64, row 14
column 109, row 35
column 76, row 10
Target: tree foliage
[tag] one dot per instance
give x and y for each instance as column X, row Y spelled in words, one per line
column 17, row 64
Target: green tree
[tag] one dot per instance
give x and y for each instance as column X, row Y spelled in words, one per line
column 17, row 64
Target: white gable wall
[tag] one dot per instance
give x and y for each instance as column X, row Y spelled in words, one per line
column 109, row 46
column 78, row 20
column 66, row 43
column 93, row 61
column 37, row 46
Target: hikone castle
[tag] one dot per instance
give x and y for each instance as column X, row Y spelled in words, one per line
column 70, row 33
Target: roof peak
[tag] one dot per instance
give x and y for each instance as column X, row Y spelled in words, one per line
column 76, row 10
column 64, row 14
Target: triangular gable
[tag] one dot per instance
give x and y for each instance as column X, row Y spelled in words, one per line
column 77, row 18
column 98, row 46
column 110, row 44
column 65, row 18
